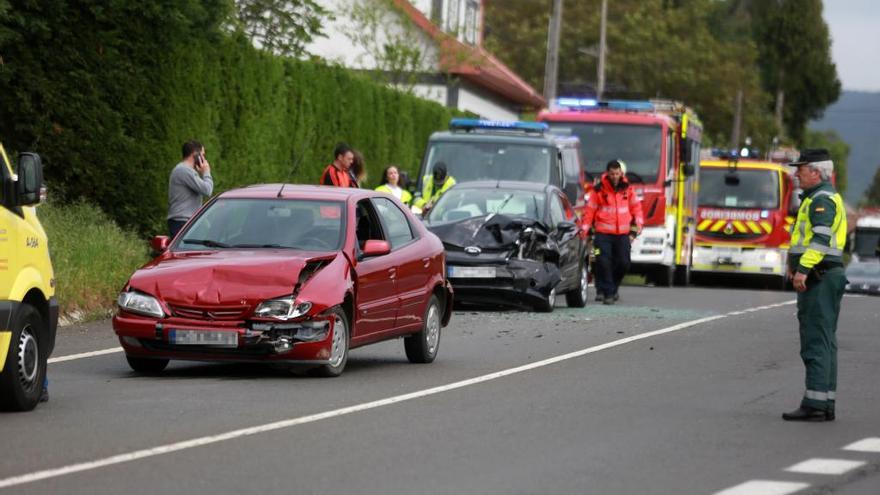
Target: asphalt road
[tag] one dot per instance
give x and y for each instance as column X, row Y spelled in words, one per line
column 592, row 400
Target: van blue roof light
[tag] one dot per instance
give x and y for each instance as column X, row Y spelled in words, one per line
column 577, row 102
column 510, row 125
column 593, row 104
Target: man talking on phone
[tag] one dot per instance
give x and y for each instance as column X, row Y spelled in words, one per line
column 190, row 181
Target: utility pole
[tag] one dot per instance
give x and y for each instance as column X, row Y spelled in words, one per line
column 600, row 66
column 737, row 121
column 551, row 67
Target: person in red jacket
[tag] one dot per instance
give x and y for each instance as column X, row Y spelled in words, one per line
column 338, row 173
column 615, row 214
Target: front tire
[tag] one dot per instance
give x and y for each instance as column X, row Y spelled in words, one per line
column 146, row 366
column 24, row 372
column 338, row 346
column 577, row 298
column 547, row 305
column 422, row 347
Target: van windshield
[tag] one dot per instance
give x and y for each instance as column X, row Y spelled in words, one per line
column 741, row 189
column 637, row 145
column 471, row 161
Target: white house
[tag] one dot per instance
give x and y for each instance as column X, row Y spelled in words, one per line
column 434, row 44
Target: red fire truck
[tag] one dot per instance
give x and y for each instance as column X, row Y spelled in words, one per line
column 659, row 140
column 744, row 218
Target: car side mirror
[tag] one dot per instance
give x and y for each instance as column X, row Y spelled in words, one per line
column 30, row 179
column 688, row 169
column 685, row 152
column 375, row 247
column 160, row 243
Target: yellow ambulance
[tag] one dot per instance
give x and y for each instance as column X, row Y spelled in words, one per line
column 28, row 308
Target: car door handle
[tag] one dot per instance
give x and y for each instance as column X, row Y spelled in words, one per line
column 427, row 262
column 392, row 273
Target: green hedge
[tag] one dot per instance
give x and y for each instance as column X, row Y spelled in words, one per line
column 107, row 92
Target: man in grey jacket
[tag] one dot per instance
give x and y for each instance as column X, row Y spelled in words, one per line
column 190, row 180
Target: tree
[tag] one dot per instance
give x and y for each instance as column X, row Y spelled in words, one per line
column 283, row 27
column 795, row 59
column 872, row 195
column 396, row 47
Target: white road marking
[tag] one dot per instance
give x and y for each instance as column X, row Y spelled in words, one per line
column 865, row 445
column 71, row 357
column 289, row 423
column 764, row 487
column 825, row 466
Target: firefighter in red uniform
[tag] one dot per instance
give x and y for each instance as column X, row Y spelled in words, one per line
column 615, row 214
column 338, row 173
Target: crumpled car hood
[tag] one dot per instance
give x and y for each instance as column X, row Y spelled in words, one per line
column 492, row 231
column 223, row 278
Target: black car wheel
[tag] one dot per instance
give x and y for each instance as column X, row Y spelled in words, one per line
column 577, row 298
column 21, row 382
column 146, row 366
column 547, row 305
column 422, row 347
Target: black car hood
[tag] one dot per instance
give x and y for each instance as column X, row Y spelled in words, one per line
column 494, row 231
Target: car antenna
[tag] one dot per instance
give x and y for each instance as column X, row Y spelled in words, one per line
column 296, row 161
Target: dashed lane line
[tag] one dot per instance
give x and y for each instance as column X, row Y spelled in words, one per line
column 764, row 487
column 312, row 418
column 82, row 355
column 865, row 445
column 825, row 466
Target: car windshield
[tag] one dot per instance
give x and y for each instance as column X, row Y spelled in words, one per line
column 460, row 204
column 471, row 161
column 637, row 145
column 867, row 270
column 266, row 223
column 742, row 189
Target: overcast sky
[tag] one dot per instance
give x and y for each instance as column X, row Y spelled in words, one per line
column 855, row 38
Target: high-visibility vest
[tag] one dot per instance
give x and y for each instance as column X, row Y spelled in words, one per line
column 813, row 239
column 428, row 192
column 405, row 196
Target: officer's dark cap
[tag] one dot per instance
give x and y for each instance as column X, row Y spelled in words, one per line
column 811, row 156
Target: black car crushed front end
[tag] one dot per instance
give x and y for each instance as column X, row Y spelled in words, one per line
column 500, row 260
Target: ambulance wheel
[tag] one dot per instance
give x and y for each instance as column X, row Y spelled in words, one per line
column 683, row 276
column 24, row 372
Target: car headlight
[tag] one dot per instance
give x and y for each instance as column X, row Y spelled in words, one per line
column 283, row 308
column 140, row 303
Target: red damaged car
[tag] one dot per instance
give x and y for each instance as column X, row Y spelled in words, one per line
column 292, row 276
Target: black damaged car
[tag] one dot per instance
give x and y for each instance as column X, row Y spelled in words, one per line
column 508, row 243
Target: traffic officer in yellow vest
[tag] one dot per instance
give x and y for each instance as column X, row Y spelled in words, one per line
column 816, row 268
column 433, row 187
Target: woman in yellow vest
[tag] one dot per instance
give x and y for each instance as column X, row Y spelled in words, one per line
column 391, row 184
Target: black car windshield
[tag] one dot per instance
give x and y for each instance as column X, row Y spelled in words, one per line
column 742, row 189
column 460, row 204
column 471, row 161
column 637, row 145
column 266, row 223
column 866, row 269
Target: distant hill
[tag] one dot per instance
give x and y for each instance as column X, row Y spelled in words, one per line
column 856, row 118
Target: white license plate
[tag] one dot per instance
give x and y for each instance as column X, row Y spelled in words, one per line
column 471, row 272
column 216, row 338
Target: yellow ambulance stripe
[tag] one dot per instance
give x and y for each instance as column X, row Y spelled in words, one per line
column 718, row 225
column 767, row 227
column 754, row 226
column 739, row 226
column 704, row 224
